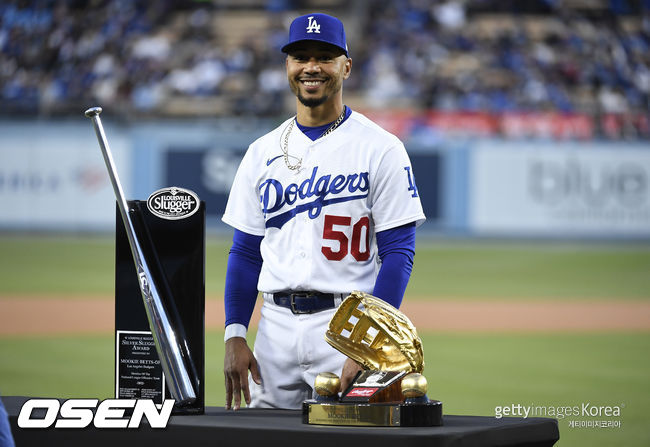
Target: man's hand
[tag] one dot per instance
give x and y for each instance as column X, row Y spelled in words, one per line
column 350, row 369
column 236, row 363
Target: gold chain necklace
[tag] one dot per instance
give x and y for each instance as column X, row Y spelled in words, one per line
column 285, row 146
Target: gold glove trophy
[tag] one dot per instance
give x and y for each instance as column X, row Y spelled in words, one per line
column 390, row 391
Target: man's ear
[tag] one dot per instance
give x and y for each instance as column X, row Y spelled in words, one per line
column 348, row 68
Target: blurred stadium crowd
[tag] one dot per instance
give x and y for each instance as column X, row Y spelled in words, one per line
column 474, row 61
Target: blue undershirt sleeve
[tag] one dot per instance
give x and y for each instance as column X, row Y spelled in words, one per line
column 396, row 249
column 6, row 438
column 242, row 274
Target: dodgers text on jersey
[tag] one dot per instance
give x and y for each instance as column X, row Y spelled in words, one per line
column 274, row 196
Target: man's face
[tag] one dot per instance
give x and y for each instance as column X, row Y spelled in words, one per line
column 316, row 72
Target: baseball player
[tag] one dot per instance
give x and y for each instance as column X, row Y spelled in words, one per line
column 323, row 205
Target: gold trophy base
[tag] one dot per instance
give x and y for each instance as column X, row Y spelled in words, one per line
column 425, row 414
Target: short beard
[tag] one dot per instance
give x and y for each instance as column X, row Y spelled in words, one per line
column 312, row 102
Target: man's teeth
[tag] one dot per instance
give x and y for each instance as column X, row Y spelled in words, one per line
column 311, row 83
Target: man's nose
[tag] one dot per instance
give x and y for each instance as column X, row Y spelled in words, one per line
column 312, row 65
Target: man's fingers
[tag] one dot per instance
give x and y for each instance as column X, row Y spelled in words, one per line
column 255, row 372
column 228, row 392
column 348, row 373
column 244, row 387
column 236, row 389
column 344, row 383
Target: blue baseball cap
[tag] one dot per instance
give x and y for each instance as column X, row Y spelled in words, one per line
column 317, row 27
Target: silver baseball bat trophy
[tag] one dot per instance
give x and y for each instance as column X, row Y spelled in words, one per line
column 164, row 335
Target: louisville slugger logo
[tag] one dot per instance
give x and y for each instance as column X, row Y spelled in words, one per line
column 274, row 196
column 173, row 203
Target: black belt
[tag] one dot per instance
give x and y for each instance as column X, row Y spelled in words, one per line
column 305, row 302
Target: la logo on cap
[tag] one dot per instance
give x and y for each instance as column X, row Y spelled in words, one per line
column 313, row 26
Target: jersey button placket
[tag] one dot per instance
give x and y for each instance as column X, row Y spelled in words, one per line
column 311, row 227
column 304, row 223
column 302, row 248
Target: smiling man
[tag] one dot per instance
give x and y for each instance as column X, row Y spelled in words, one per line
column 316, row 71
column 323, row 205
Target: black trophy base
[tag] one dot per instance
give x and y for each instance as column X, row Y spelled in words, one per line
column 175, row 251
column 427, row 414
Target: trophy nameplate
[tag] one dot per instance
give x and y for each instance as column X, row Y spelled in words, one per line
column 375, row 415
column 390, row 391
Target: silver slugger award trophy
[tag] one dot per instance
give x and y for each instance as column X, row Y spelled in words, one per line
column 166, row 329
column 391, row 390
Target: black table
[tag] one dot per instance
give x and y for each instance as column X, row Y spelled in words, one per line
column 268, row 428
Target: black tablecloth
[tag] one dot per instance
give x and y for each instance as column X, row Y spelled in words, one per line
column 261, row 428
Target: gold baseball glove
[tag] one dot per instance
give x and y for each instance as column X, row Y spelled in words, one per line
column 379, row 336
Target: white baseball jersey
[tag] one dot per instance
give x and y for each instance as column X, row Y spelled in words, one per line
column 319, row 222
